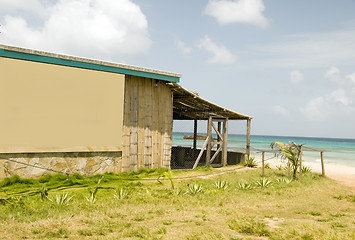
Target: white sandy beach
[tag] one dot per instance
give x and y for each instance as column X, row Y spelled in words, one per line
column 341, row 173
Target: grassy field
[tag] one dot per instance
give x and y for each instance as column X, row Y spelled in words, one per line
column 234, row 205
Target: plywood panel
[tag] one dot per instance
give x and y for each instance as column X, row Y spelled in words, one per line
column 150, row 127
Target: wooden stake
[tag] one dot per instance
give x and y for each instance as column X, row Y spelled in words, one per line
column 262, row 163
column 322, row 162
column 300, row 159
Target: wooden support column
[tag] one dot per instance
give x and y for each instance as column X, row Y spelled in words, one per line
column 225, row 142
column 209, row 136
column 195, row 135
column 219, row 139
column 248, row 138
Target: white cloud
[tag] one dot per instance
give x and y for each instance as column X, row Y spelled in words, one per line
column 237, row 11
column 16, row 5
column 308, row 50
column 183, row 48
column 281, row 111
column 333, row 74
column 337, row 103
column 220, row 54
column 296, row 77
column 90, row 28
column 351, row 77
column 338, row 96
column 316, row 110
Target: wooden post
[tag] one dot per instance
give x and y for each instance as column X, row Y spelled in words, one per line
column 248, row 138
column 322, row 162
column 225, row 142
column 195, row 134
column 195, row 139
column 300, row 159
column 262, row 163
column 219, row 157
column 288, row 168
column 209, row 136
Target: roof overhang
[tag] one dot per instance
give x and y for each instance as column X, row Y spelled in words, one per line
column 189, row 106
column 70, row 61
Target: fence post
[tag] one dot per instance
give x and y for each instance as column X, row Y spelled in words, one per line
column 262, row 163
column 322, row 162
column 300, row 159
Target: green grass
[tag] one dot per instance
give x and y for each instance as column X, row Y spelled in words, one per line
column 129, row 206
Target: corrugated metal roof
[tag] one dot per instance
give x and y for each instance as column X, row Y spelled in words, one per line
column 189, row 106
column 71, row 61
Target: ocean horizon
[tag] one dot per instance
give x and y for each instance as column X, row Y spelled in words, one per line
column 340, row 151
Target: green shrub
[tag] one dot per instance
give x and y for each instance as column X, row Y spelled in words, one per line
column 249, row 226
column 250, row 162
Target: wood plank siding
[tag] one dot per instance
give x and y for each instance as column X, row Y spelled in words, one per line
column 147, row 124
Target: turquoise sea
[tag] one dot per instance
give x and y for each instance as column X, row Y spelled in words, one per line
column 341, row 151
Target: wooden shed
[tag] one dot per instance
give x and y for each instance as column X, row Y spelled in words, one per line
column 74, row 115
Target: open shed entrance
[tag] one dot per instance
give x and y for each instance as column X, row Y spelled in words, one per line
column 188, row 106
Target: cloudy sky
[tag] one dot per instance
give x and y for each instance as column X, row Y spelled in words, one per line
column 289, row 64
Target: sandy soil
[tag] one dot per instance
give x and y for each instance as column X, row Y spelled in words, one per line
column 343, row 174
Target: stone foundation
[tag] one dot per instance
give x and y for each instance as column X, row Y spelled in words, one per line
column 32, row 165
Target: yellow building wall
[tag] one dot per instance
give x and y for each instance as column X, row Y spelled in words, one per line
column 51, row 108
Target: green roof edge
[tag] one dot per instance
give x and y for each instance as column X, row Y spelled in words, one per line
column 78, row 64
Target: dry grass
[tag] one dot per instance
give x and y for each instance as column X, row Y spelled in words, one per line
column 314, row 208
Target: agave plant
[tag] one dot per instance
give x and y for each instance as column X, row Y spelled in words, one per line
column 194, row 189
column 306, row 169
column 62, row 199
column 284, row 180
column 92, row 196
column 250, row 162
column 291, row 152
column 121, row 194
column 263, row 182
column 279, row 167
column 244, row 186
column 223, row 185
column 168, row 175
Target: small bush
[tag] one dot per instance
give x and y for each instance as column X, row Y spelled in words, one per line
column 249, row 226
column 15, row 179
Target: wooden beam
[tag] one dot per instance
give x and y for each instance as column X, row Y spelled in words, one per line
column 215, row 154
column 217, row 131
column 201, row 153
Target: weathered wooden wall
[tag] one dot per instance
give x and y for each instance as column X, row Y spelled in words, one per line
column 147, row 124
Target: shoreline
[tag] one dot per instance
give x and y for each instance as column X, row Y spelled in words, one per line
column 341, row 173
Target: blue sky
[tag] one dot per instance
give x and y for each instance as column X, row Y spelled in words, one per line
column 289, row 64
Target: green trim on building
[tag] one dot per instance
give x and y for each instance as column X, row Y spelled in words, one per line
column 84, row 65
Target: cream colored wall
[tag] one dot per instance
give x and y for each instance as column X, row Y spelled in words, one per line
column 45, row 107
